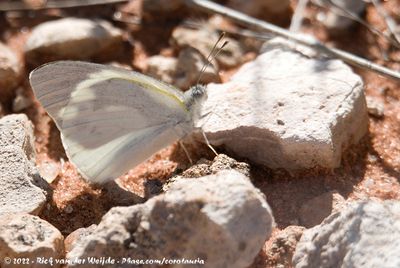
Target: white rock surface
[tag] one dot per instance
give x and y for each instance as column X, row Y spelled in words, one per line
column 21, row 188
column 72, row 38
column 365, row 234
column 285, row 110
column 10, row 72
column 26, row 237
column 221, row 219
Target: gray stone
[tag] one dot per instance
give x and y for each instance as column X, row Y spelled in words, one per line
column 315, row 210
column 10, row 72
column 219, row 219
column 21, row 187
column 27, row 238
column 162, row 68
column 376, row 108
column 365, row 234
column 184, row 71
column 204, row 40
column 21, row 102
column 17, row 130
column 72, row 38
column 220, row 162
column 285, row 110
column 189, row 69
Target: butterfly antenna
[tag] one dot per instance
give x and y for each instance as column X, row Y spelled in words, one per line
column 213, row 54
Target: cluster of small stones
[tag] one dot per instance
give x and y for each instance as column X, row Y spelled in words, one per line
column 284, row 109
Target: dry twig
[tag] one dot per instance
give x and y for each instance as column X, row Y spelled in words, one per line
column 297, row 18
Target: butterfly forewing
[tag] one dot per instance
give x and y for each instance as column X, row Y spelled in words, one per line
column 110, row 119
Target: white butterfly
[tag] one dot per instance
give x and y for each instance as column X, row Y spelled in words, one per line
column 112, row 119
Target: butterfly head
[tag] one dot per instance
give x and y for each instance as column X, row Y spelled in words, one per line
column 194, row 98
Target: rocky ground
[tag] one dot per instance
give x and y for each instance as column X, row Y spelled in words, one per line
column 309, row 151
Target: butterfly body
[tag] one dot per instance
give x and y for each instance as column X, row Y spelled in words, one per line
column 112, row 119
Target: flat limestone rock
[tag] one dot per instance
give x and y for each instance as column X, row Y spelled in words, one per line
column 286, row 110
column 220, row 220
column 21, row 187
column 365, row 234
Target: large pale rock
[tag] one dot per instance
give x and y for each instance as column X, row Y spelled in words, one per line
column 21, row 187
column 10, row 72
column 29, row 239
column 72, row 38
column 285, row 110
column 221, row 220
column 365, row 234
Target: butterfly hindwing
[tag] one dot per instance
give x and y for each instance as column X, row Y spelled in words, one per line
column 110, row 119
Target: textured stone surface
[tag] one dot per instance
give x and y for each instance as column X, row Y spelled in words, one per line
column 29, row 237
column 365, row 234
column 72, row 38
column 221, row 219
column 315, row 210
column 21, row 188
column 285, row 110
column 10, row 72
column 281, row 248
column 220, row 162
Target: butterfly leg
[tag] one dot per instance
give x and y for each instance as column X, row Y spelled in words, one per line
column 186, row 152
column 208, row 143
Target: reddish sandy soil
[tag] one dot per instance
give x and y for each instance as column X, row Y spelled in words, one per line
column 369, row 169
